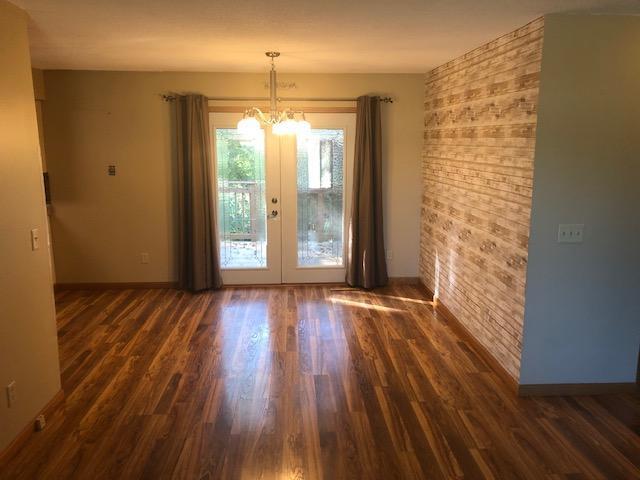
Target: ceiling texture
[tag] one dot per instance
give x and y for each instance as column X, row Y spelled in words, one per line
column 346, row 36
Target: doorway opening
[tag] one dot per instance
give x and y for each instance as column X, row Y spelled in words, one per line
column 283, row 201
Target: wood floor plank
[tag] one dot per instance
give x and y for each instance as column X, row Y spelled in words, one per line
column 302, row 383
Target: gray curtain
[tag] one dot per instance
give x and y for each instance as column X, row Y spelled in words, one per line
column 199, row 261
column 366, row 265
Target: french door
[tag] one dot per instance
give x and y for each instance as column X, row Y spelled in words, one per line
column 283, row 201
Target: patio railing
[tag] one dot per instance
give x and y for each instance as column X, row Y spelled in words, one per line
column 239, row 209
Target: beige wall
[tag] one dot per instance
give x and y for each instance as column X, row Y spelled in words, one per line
column 28, row 343
column 480, row 124
column 93, row 119
column 582, row 315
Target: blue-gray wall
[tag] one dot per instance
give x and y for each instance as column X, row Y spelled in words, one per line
column 582, row 309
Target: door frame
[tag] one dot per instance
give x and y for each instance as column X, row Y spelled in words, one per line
column 282, row 267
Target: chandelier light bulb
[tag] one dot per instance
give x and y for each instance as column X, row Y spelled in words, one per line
column 303, row 128
column 249, row 126
column 290, row 126
column 278, row 128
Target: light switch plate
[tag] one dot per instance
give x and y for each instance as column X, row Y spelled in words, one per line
column 35, row 239
column 570, row 232
column 11, row 394
column 144, row 257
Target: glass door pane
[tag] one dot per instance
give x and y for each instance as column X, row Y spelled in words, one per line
column 241, row 199
column 320, row 198
column 316, row 192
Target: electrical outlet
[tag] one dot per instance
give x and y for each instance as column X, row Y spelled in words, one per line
column 570, row 232
column 11, row 394
column 144, row 257
column 35, row 239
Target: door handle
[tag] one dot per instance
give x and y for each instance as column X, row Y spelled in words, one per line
column 273, row 214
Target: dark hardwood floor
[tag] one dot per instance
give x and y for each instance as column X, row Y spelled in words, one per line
column 303, row 382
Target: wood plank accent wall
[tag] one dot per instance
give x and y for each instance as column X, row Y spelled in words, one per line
column 477, row 170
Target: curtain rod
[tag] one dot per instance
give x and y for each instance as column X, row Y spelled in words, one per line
column 169, row 97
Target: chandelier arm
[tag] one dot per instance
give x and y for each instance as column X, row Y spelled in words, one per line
column 258, row 113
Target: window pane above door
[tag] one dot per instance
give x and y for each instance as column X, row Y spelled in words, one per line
column 241, row 199
column 320, row 174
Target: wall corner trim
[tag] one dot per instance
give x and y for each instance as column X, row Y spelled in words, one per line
column 462, row 332
column 52, row 407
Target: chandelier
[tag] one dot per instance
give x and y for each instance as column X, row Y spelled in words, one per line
column 285, row 122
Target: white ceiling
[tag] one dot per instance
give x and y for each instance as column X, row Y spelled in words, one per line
column 313, row 35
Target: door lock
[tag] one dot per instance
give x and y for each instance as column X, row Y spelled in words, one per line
column 274, row 200
column 274, row 214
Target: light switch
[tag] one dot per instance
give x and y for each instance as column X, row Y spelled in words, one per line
column 144, row 257
column 11, row 394
column 570, row 232
column 35, row 239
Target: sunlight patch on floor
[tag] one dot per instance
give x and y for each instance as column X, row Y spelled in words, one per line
column 368, row 306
